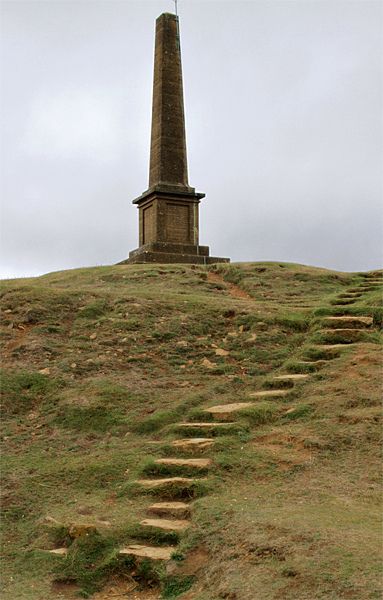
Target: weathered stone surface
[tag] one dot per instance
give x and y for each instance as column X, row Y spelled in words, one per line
column 59, row 551
column 166, row 481
column 141, row 256
column 223, row 412
column 166, row 524
column 198, row 463
column 203, row 425
column 168, row 162
column 222, row 352
column 193, row 444
column 333, row 346
column 151, row 552
column 348, row 321
column 171, row 509
column 205, row 362
column 269, row 394
column 292, row 377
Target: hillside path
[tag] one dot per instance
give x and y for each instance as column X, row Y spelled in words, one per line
column 234, row 290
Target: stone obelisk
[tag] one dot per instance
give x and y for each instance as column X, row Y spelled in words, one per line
column 168, row 210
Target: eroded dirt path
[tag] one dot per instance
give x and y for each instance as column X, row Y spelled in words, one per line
column 234, row 290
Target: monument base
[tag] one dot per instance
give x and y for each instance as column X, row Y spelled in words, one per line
column 163, row 252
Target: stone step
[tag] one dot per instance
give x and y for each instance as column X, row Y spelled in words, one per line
column 150, row 552
column 350, row 295
column 198, row 463
column 323, row 360
column 291, row 377
column 269, row 394
column 204, row 425
column 343, row 335
column 342, row 302
column 166, row 481
column 333, row 346
column 222, row 412
column 316, row 364
column 59, row 551
column 171, row 509
column 348, row 321
column 193, row 444
column 166, row 524
column 343, row 330
column 319, row 352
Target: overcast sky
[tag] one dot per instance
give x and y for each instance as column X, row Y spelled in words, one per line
column 283, row 105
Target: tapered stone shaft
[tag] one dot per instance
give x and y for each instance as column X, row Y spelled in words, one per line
column 168, row 161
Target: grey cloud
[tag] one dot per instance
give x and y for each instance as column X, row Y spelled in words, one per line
column 283, row 109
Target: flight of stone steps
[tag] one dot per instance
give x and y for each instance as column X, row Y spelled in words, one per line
column 172, row 512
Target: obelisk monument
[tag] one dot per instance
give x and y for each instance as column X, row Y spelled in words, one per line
column 168, row 210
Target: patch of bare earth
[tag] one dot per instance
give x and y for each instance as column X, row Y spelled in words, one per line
column 287, row 450
column 124, row 589
column 234, row 290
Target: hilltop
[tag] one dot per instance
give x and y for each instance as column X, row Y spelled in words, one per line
column 256, row 386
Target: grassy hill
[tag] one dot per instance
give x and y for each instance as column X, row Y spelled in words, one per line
column 108, row 378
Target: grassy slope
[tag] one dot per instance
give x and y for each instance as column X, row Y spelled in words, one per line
column 100, row 362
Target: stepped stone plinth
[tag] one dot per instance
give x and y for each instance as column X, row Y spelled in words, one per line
column 168, row 209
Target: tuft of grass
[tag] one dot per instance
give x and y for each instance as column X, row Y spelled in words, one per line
column 272, row 384
column 90, row 561
column 93, row 310
column 230, row 273
column 93, row 418
column 153, row 535
column 260, row 414
column 199, row 415
column 339, row 337
column 174, row 585
column 377, row 314
column 299, row 412
column 156, row 421
column 22, row 390
column 293, row 321
column 321, row 353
